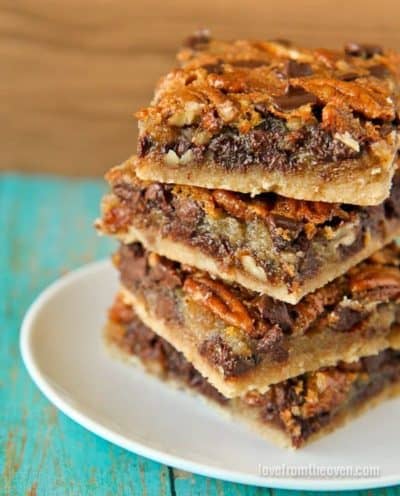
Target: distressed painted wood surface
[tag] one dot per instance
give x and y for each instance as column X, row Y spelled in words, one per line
column 45, row 230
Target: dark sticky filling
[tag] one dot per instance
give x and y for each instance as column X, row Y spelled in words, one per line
column 182, row 218
column 300, row 406
column 262, row 324
column 271, row 145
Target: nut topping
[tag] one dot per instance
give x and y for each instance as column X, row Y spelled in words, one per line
column 374, row 278
column 217, row 298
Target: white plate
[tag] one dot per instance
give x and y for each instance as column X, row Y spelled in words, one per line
column 63, row 351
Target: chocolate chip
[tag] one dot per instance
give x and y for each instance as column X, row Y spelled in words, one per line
column 273, row 345
column 294, row 98
column 347, row 318
column 248, row 64
column 188, row 211
column 124, row 191
column 282, row 41
column 216, row 68
column 198, row 39
column 379, row 71
column 365, row 51
column 218, row 352
column 349, row 76
column 275, row 312
column 144, row 145
column 298, row 69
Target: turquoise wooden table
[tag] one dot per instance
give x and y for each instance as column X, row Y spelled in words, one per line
column 45, row 230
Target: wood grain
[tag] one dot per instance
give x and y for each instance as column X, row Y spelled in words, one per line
column 46, row 229
column 73, row 73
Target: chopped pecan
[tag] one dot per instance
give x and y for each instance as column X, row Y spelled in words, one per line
column 314, row 212
column 120, row 312
column 239, row 208
column 116, row 219
column 326, row 390
column 217, row 298
column 312, row 306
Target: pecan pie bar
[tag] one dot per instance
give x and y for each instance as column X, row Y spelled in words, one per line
column 291, row 413
column 256, row 116
column 282, row 247
column 241, row 340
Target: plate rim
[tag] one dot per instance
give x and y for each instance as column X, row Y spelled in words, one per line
column 98, row 428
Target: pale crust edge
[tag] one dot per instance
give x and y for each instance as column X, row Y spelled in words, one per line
column 257, row 379
column 238, row 411
column 185, row 254
column 366, row 182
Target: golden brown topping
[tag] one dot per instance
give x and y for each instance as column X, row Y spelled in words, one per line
column 365, row 96
column 226, row 81
column 217, row 298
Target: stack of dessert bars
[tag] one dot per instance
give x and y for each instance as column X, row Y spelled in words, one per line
column 256, row 229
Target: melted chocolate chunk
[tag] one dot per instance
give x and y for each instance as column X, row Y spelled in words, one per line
column 347, row 318
column 379, row 71
column 188, row 211
column 216, row 68
column 218, row 352
column 125, row 191
column 248, row 64
column 365, row 51
column 273, row 344
column 349, row 76
column 298, row 69
column 198, row 40
column 294, row 98
column 275, row 311
column 159, row 195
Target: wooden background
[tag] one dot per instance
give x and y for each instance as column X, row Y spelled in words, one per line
column 73, row 72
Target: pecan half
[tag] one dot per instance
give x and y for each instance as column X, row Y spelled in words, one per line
column 217, row 298
column 375, row 277
column 369, row 99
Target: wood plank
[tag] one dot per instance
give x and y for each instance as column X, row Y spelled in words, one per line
column 42, row 452
column 74, row 72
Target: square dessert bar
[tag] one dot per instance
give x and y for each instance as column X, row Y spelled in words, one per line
column 256, row 116
column 278, row 246
column 241, row 340
column 291, row 413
